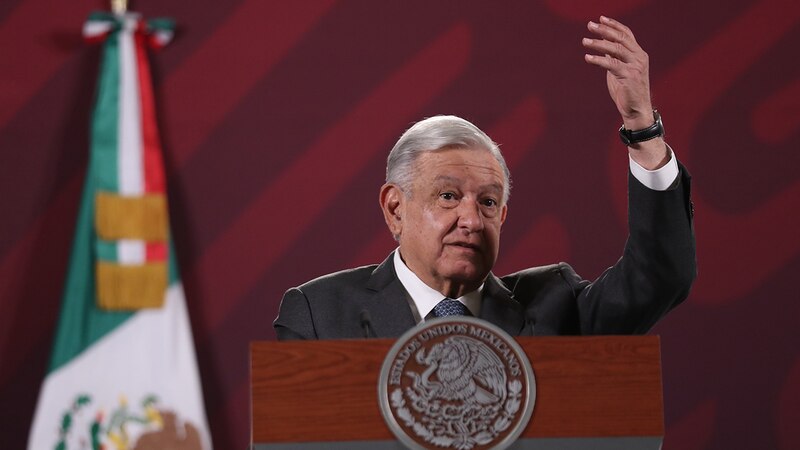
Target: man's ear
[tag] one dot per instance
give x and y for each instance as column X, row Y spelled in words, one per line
column 392, row 201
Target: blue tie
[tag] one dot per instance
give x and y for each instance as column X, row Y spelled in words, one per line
column 450, row 307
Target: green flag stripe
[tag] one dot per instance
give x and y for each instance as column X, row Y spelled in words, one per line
column 106, row 250
column 173, row 275
column 161, row 23
column 81, row 323
column 104, row 128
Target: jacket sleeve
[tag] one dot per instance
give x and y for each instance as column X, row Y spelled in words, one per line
column 656, row 270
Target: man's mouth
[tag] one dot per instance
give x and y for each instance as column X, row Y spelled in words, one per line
column 466, row 245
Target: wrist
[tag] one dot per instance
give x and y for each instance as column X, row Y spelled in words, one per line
column 650, row 155
column 638, row 118
column 633, row 132
column 638, row 122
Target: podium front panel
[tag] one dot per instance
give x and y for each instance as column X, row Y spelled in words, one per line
column 592, row 392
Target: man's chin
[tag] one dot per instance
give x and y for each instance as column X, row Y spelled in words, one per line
column 471, row 275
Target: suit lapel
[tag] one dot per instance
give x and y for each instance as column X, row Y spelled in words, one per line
column 499, row 307
column 390, row 314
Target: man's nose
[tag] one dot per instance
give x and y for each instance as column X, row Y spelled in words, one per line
column 469, row 216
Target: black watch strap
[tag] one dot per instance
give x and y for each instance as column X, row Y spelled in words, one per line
column 655, row 130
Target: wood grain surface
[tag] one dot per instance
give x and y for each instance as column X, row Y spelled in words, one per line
column 328, row 390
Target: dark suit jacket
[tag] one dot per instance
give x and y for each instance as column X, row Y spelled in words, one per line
column 654, row 275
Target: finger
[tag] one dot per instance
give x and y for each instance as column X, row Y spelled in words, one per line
column 606, row 62
column 617, row 25
column 614, row 49
column 612, row 34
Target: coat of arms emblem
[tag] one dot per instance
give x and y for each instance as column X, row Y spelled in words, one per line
column 457, row 383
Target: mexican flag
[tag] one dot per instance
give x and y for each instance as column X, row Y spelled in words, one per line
column 123, row 373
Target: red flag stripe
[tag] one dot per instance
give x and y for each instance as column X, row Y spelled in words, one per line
column 153, row 164
column 155, row 251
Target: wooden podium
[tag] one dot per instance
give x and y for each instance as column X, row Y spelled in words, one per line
column 592, row 393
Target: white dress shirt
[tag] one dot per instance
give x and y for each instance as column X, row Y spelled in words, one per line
column 424, row 298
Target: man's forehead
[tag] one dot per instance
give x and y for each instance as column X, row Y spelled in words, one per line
column 475, row 166
column 444, row 179
column 477, row 158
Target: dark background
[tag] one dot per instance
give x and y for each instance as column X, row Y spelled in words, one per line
column 277, row 117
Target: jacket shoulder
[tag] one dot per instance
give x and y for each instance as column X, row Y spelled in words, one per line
column 549, row 296
column 358, row 276
column 535, row 278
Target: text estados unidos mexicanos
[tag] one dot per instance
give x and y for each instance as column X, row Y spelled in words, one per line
column 447, row 329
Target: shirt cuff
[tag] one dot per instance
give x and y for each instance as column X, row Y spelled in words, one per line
column 660, row 179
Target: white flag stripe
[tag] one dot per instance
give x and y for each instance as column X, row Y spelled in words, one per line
column 121, row 364
column 131, row 251
column 95, row 28
column 130, row 164
column 163, row 36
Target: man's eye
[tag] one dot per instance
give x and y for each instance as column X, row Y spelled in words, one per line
column 490, row 202
column 447, row 196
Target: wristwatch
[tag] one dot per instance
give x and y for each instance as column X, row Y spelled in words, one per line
column 633, row 136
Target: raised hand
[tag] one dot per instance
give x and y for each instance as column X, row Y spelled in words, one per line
column 627, row 68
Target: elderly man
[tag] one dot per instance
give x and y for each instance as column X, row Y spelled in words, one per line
column 445, row 201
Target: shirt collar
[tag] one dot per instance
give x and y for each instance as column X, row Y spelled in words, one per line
column 424, row 296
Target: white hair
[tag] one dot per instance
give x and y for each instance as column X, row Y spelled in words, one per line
column 434, row 134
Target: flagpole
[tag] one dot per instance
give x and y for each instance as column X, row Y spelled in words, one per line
column 119, row 7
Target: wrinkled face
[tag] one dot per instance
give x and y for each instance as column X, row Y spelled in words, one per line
column 449, row 224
